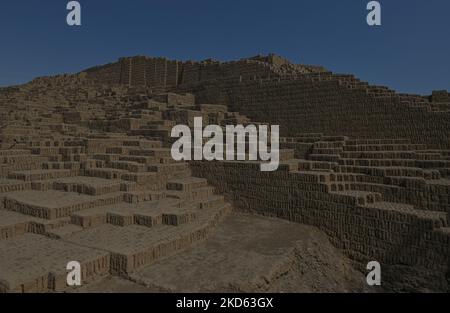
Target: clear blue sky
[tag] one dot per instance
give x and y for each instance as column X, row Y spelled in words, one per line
column 410, row 52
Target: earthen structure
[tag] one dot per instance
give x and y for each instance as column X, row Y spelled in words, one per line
column 86, row 172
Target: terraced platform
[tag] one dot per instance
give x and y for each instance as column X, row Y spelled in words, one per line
column 86, row 172
column 39, row 263
column 121, row 206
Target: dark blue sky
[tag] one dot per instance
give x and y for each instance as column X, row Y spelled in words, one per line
column 410, row 52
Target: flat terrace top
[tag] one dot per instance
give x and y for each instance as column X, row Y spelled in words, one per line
column 442, row 182
column 92, row 181
column 9, row 218
column 50, row 198
column 187, row 180
column 153, row 208
column 122, row 240
column 31, row 256
column 40, row 171
column 6, row 181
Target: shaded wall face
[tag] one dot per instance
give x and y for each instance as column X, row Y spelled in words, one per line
column 302, row 106
column 414, row 254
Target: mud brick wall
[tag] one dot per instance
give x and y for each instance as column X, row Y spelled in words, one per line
column 31, row 276
column 53, row 213
column 164, row 73
column 125, row 263
column 107, row 74
column 90, row 271
column 440, row 96
column 191, row 72
column 401, row 241
column 329, row 107
column 210, row 71
column 138, row 71
column 174, row 99
column 150, row 72
column 9, row 231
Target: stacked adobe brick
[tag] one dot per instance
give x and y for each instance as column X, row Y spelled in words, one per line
column 76, row 185
column 323, row 103
column 377, row 198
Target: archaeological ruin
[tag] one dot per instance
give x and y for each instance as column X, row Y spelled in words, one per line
column 86, row 175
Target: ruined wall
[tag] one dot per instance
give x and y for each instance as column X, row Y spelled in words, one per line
column 299, row 98
column 413, row 251
column 165, row 73
column 440, row 96
column 106, row 74
column 138, row 71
